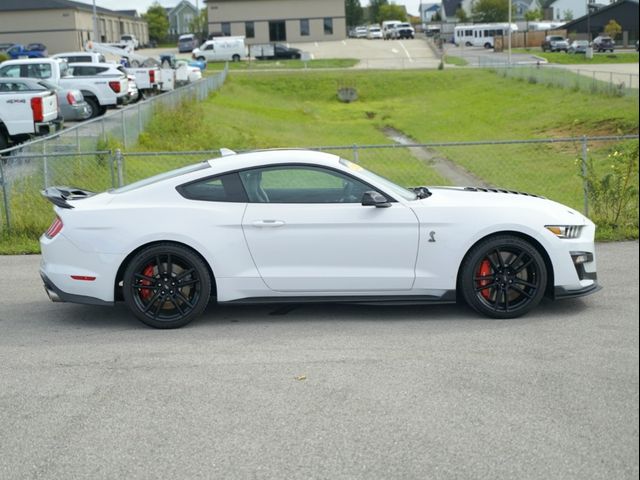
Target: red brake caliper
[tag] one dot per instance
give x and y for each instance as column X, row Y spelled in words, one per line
column 484, row 271
column 145, row 293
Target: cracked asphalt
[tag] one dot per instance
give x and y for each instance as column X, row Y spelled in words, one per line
column 329, row 392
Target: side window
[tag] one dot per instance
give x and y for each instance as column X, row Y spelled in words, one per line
column 39, row 70
column 209, row 47
column 301, row 184
column 10, row 71
column 224, row 188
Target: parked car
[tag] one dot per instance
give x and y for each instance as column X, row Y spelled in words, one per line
column 79, row 57
column 72, row 105
column 20, row 51
column 361, row 32
column 221, row 49
column 5, row 46
column 40, row 47
column 295, row 226
column 403, row 30
column 129, row 39
column 187, row 42
column 602, row 44
column 374, row 33
column 555, row 43
column 578, row 46
column 387, row 28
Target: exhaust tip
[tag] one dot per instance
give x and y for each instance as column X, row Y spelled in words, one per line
column 53, row 296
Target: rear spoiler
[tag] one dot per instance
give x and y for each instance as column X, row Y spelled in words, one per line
column 59, row 195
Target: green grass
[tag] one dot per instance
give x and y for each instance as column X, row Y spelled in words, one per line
column 453, row 60
column 285, row 64
column 571, row 59
column 298, row 109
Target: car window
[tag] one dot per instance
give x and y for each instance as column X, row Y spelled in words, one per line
column 10, row 71
column 224, row 188
column 301, row 184
column 14, row 87
column 39, row 70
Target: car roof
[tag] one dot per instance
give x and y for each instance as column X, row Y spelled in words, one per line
column 259, row 158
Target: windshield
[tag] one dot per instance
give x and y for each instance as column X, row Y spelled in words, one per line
column 163, row 176
column 384, row 182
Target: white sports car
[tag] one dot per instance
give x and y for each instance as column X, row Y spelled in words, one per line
column 297, row 226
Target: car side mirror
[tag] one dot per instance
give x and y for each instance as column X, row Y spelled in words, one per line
column 371, row 198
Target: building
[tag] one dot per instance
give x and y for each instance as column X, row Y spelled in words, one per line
column 625, row 12
column 181, row 17
column 264, row 21
column 571, row 9
column 65, row 25
column 428, row 10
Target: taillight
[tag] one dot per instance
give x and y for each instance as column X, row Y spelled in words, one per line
column 115, row 86
column 71, row 98
column 152, row 76
column 54, row 229
column 36, row 106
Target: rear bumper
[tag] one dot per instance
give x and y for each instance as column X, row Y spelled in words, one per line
column 47, row 128
column 57, row 295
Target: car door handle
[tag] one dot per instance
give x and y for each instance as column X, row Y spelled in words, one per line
column 268, row 223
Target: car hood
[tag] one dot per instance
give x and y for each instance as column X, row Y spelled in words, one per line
column 502, row 204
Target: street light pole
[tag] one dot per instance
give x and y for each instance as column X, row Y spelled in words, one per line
column 95, row 23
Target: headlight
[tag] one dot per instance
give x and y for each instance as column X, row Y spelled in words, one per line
column 565, row 231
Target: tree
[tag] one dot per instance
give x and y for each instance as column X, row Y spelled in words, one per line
column 533, row 15
column 374, row 8
column 158, row 22
column 490, row 11
column 354, row 12
column 391, row 12
column 567, row 15
column 461, row 15
column 199, row 24
column 613, row 29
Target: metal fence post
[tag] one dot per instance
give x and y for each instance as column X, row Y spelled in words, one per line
column 45, row 165
column 585, row 183
column 111, row 169
column 120, row 167
column 356, row 156
column 124, row 129
column 5, row 196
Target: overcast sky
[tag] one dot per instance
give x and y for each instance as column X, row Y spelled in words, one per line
column 142, row 5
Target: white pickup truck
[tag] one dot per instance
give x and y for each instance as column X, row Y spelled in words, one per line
column 25, row 113
column 99, row 91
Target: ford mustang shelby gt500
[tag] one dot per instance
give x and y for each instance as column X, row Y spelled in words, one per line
column 297, row 226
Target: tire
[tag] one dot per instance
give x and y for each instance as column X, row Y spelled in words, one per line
column 236, row 58
column 468, row 44
column 487, row 45
column 4, row 139
column 503, row 277
column 94, row 107
column 201, row 59
column 166, row 286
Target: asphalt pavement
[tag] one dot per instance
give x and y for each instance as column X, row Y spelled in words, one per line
column 329, row 392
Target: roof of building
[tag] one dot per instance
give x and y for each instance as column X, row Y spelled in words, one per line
column 181, row 4
column 598, row 12
column 22, row 5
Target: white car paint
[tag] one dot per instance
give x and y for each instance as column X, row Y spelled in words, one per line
column 412, row 249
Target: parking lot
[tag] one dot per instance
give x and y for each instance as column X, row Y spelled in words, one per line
column 321, row 391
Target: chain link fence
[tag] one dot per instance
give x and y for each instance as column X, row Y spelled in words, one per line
column 122, row 126
column 554, row 168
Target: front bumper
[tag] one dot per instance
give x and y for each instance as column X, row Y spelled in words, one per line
column 561, row 292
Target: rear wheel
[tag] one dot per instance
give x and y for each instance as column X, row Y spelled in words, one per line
column 94, row 107
column 487, row 45
column 503, row 277
column 201, row 59
column 166, row 286
column 236, row 58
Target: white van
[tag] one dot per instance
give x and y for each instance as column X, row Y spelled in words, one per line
column 221, row 49
column 388, row 27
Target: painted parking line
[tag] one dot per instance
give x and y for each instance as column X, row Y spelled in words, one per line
column 406, row 51
column 394, row 50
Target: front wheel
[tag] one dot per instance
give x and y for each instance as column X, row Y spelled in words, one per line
column 166, row 286
column 236, row 58
column 503, row 277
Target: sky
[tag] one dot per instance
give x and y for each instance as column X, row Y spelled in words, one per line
column 142, row 5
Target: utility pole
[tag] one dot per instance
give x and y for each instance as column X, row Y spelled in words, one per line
column 95, row 23
column 509, row 38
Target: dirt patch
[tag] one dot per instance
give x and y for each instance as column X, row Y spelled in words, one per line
column 447, row 168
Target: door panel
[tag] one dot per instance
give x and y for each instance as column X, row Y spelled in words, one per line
column 343, row 247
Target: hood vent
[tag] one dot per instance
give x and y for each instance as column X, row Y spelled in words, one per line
column 500, row 190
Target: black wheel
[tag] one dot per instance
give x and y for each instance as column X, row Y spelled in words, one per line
column 166, row 286
column 468, row 44
column 487, row 45
column 236, row 58
column 503, row 277
column 201, row 59
column 4, row 139
column 94, row 107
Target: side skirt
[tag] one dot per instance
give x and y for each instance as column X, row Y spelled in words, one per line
column 448, row 297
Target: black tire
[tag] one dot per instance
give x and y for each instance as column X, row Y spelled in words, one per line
column 487, row 45
column 166, row 286
column 201, row 59
column 94, row 107
column 468, row 44
column 236, row 58
column 503, row 277
column 4, row 139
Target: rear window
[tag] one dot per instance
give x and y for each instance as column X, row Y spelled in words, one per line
column 163, row 176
